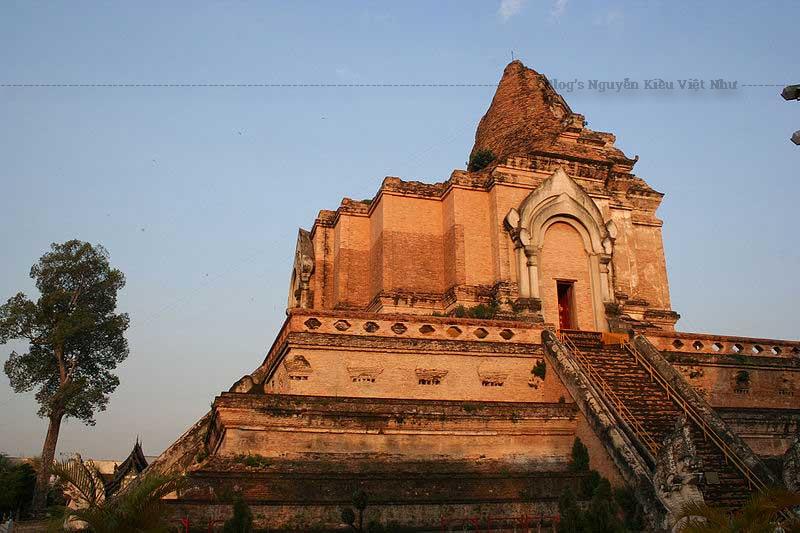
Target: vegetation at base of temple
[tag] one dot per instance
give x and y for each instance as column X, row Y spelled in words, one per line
column 252, row 460
column 608, row 511
column 359, row 501
column 17, row 482
column 763, row 512
column 75, row 339
column 580, row 456
column 482, row 311
column 480, row 159
column 469, row 407
column 539, row 369
column 138, row 507
column 242, row 519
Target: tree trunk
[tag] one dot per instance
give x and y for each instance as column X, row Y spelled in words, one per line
column 48, row 452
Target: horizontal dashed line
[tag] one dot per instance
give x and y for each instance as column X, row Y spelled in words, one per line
column 230, row 85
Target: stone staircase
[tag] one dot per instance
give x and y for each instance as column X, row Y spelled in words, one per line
column 647, row 401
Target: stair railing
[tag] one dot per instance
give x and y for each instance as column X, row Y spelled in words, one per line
column 692, row 413
column 598, row 381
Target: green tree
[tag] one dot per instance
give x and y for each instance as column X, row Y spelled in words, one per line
column 580, row 456
column 75, row 339
column 603, row 515
column 571, row 518
column 16, row 486
column 242, row 519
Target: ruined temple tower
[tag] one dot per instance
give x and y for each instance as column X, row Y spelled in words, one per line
column 446, row 343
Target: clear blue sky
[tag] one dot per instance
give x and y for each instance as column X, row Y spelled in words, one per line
column 198, row 192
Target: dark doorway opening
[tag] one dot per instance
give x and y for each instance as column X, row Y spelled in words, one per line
column 566, row 314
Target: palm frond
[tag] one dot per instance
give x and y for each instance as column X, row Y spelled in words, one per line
column 700, row 517
column 764, row 509
column 82, row 478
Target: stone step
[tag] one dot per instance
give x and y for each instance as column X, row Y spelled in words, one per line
column 650, row 405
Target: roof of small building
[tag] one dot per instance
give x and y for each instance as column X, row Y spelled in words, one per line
column 136, row 462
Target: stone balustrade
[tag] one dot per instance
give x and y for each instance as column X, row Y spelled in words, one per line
column 702, row 343
column 414, row 326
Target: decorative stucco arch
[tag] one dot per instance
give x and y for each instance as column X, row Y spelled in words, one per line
column 560, row 199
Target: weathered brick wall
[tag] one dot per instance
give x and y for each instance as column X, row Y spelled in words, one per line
column 649, row 281
column 459, row 436
column 327, row 517
column 412, row 244
column 377, row 279
column 470, row 229
column 335, row 372
column 351, row 262
column 425, row 242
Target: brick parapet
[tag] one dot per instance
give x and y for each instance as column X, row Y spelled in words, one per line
column 725, row 345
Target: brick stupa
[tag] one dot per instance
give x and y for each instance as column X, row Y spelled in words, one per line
column 446, row 343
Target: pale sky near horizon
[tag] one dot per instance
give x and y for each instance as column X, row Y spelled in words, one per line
column 197, row 192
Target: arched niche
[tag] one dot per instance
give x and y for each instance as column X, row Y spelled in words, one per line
column 561, row 199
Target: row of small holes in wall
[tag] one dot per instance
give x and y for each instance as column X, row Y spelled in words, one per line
column 422, row 381
column 399, row 329
column 781, row 392
column 735, row 348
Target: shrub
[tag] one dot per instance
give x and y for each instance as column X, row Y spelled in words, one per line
column 632, row 511
column 480, row 160
column 603, row 513
column 242, row 519
column 580, row 456
column 590, row 483
column 481, row 311
column 252, row 460
column 540, row 369
column 485, row 311
column 16, row 486
column 571, row 517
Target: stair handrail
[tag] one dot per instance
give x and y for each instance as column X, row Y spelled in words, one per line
column 691, row 412
column 625, row 413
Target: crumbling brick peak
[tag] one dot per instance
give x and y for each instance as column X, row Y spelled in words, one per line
column 527, row 116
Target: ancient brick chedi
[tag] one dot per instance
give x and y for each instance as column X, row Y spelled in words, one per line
column 446, row 343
